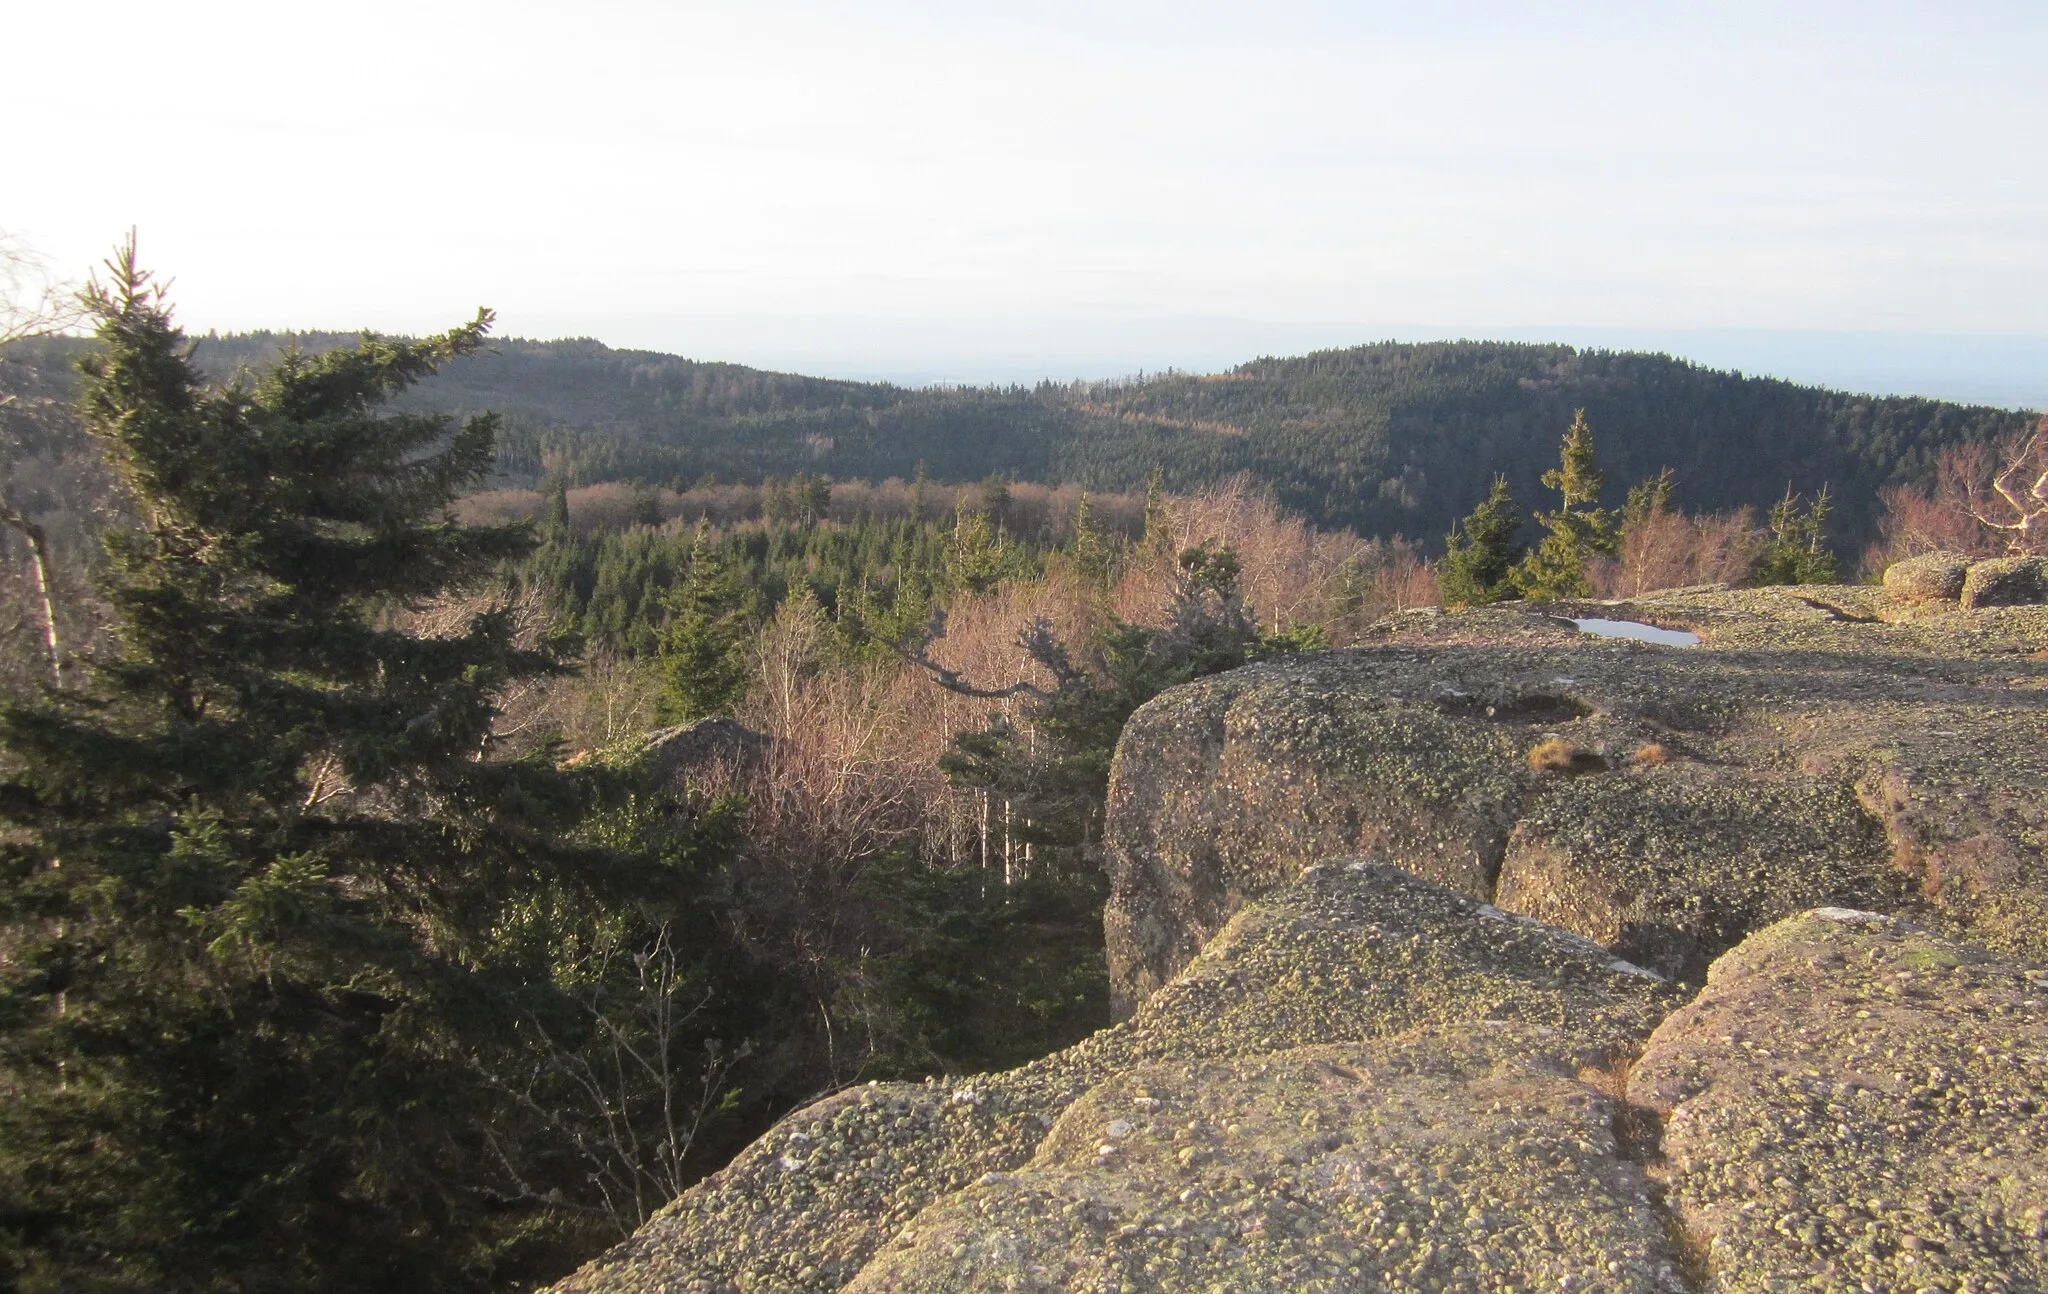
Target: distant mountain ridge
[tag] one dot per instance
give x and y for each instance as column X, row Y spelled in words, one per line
column 1386, row 438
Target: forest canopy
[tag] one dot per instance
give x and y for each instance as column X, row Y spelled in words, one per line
column 1385, row 439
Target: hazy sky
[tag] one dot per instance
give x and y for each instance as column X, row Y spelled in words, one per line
column 1069, row 186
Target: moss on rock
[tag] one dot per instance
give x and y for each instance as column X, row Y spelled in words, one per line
column 1349, row 952
column 1779, row 736
column 1855, row 1103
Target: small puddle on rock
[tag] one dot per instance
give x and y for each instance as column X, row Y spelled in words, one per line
column 1637, row 630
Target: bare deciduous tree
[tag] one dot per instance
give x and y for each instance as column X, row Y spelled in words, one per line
column 1671, row 549
column 33, row 304
column 636, row 1100
column 2018, row 509
column 1985, row 499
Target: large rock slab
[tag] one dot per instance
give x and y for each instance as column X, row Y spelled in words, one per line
column 1929, row 577
column 1348, row 953
column 1808, row 753
column 1854, row 1103
column 1420, row 1164
column 2006, row 582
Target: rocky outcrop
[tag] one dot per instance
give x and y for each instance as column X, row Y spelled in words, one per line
column 1806, row 754
column 1372, row 1082
column 675, row 754
column 1929, row 577
column 1857, row 1104
column 1408, row 941
column 1417, row 1164
column 1350, row 1058
column 2006, row 582
column 1951, row 579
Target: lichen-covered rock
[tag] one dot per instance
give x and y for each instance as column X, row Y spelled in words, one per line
column 1854, row 1103
column 1420, row 1164
column 1669, row 864
column 1929, row 577
column 1228, row 787
column 677, row 754
column 1807, row 753
column 2006, row 582
column 1349, row 953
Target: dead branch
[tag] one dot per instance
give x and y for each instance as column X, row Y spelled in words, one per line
column 1036, row 638
column 2029, row 505
column 32, row 303
column 638, row 1106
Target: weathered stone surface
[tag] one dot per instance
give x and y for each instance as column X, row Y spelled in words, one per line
column 2006, row 582
column 1806, row 754
column 1854, row 1103
column 677, row 753
column 1339, row 1075
column 1348, row 953
column 1929, row 577
column 1417, row 1164
column 1669, row 864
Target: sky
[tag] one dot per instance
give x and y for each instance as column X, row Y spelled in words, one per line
column 1850, row 193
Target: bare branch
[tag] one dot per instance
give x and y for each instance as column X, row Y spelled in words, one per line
column 2027, row 505
column 1037, row 631
column 32, row 302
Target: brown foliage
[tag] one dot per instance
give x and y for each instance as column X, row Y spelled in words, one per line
column 1986, row 501
column 1290, row 573
column 1556, row 755
column 1669, row 550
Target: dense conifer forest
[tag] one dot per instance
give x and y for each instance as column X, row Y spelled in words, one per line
column 1385, row 439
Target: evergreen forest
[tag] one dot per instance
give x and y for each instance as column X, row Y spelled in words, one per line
column 1384, row 439
column 454, row 792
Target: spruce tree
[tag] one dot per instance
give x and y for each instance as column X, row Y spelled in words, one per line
column 916, row 501
column 1157, row 541
column 1796, row 551
column 1648, row 500
column 1091, row 554
column 704, row 646
column 1579, row 530
column 1481, row 557
column 980, row 559
column 555, row 525
column 255, row 868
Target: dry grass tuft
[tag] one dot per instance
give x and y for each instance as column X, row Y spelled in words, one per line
column 1556, row 755
column 1651, row 754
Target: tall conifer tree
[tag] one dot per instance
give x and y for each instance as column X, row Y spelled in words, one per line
column 255, row 868
column 1579, row 530
column 703, row 648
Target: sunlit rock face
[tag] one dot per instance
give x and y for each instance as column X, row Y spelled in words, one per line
column 1809, row 752
column 1302, row 1105
column 1369, row 1082
column 1410, row 942
column 1857, row 1103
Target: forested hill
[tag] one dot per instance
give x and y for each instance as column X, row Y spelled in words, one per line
column 1387, row 438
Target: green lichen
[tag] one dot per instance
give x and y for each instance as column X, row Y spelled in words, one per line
column 1855, row 1103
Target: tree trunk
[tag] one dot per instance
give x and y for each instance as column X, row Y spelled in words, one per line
column 39, row 552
